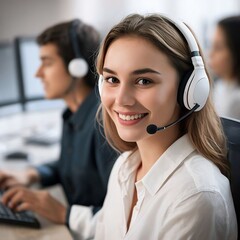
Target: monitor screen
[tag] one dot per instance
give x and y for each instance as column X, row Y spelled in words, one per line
column 29, row 63
column 9, row 85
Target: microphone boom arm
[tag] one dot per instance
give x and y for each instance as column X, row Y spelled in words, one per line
column 151, row 129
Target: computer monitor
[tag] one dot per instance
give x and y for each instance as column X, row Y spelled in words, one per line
column 28, row 60
column 9, row 85
column 31, row 87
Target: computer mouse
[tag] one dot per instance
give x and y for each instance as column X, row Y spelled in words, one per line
column 16, row 155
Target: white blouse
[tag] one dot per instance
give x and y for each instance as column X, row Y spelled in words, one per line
column 184, row 196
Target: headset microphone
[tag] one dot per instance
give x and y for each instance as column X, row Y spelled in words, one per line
column 152, row 129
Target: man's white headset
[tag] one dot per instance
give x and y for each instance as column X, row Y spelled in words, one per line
column 77, row 67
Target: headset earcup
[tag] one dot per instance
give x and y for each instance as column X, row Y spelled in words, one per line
column 181, row 88
column 198, row 90
column 100, row 84
column 78, row 67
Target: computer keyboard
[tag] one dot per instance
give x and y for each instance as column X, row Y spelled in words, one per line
column 24, row 218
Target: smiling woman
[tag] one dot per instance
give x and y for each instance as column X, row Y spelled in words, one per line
column 130, row 87
column 151, row 72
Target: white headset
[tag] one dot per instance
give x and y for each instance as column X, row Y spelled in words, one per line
column 100, row 84
column 193, row 88
column 78, row 67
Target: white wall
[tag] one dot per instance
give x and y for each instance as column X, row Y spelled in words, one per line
column 30, row 17
column 199, row 15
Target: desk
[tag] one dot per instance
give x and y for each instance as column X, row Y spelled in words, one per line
column 48, row 231
column 15, row 128
column 12, row 131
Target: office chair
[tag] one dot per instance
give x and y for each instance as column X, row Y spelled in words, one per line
column 231, row 129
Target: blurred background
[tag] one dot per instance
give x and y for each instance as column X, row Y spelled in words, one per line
column 23, row 111
column 30, row 17
column 22, row 20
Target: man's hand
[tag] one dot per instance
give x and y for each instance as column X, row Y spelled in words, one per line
column 39, row 201
column 22, row 178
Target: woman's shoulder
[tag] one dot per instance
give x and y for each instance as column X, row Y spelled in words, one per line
column 205, row 175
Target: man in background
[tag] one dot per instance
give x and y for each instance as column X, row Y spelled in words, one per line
column 67, row 53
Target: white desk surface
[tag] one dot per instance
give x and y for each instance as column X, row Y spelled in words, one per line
column 48, row 231
column 12, row 131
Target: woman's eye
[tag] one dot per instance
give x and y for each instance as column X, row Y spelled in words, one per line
column 144, row 81
column 112, row 80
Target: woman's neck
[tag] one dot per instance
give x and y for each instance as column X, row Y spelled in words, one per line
column 152, row 148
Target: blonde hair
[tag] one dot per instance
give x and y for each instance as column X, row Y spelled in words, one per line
column 203, row 127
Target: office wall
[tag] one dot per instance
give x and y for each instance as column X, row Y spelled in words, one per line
column 29, row 17
column 199, row 14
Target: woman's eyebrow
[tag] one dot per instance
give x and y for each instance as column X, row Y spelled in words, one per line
column 108, row 70
column 145, row 70
column 135, row 72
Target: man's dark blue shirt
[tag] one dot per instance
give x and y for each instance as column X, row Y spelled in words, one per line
column 86, row 159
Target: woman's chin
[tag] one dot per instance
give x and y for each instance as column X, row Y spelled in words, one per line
column 129, row 136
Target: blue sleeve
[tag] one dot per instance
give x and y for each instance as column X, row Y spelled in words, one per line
column 48, row 174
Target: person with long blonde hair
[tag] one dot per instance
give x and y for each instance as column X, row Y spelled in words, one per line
column 171, row 180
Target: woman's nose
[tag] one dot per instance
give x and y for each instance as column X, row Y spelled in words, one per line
column 125, row 95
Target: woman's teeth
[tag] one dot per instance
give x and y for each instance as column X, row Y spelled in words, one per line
column 131, row 117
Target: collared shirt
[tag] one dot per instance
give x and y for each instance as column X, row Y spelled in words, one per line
column 86, row 159
column 183, row 196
